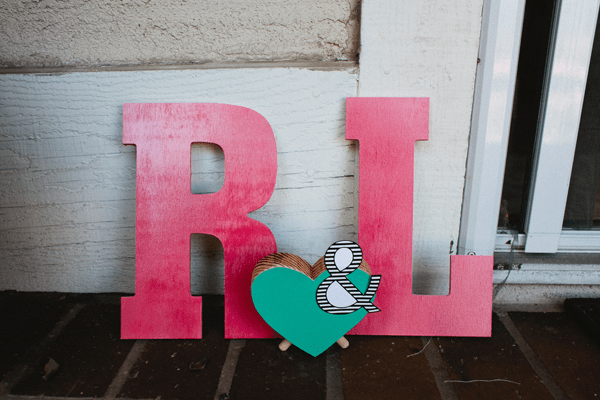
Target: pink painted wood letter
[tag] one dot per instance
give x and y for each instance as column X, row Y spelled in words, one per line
column 387, row 129
column 167, row 213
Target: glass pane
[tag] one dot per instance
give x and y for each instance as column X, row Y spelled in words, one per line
column 583, row 201
column 537, row 23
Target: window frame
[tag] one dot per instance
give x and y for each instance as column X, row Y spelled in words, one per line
column 571, row 45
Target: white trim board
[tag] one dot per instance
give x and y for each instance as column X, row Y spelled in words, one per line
column 428, row 49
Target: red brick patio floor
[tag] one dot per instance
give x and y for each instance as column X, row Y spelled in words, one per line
column 63, row 346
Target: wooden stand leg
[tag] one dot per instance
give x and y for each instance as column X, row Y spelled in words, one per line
column 284, row 345
column 342, row 342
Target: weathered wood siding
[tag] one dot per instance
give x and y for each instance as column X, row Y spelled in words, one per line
column 67, row 203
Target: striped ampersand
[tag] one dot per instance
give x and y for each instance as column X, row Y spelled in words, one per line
column 336, row 294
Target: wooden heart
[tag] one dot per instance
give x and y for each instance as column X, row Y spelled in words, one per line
column 284, row 290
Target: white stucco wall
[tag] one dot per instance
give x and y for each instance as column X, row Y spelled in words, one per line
column 106, row 32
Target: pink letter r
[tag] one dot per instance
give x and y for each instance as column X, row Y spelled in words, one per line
column 167, row 213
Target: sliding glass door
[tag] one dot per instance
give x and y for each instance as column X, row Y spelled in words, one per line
column 534, row 161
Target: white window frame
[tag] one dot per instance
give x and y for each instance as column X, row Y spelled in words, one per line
column 571, row 48
column 492, row 109
column 573, row 34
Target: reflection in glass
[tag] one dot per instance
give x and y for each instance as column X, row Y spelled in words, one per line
column 533, row 54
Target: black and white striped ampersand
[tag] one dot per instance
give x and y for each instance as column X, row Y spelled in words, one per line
column 336, row 294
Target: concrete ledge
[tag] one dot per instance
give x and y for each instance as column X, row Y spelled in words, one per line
column 539, row 298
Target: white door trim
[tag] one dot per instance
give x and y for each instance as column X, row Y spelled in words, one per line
column 490, row 126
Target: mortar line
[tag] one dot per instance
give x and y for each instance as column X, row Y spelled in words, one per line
column 438, row 368
column 117, row 384
column 228, row 371
column 33, row 355
column 538, row 366
column 334, row 389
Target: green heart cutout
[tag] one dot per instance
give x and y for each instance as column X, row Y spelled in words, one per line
column 286, row 299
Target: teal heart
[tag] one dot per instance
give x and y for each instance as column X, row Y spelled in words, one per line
column 286, row 300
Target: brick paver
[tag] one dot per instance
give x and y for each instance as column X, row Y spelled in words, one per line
column 81, row 333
